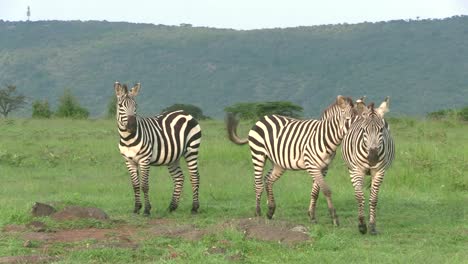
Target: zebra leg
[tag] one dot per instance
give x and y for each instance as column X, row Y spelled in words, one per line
column 178, row 179
column 192, row 165
column 271, row 178
column 144, row 171
column 317, row 176
column 313, row 201
column 377, row 178
column 357, row 179
column 259, row 164
column 314, row 196
column 133, row 170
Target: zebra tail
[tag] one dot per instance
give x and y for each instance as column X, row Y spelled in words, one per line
column 231, row 125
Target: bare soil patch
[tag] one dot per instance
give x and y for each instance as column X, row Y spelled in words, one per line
column 36, row 235
column 170, row 228
column 272, row 230
column 27, row 259
column 77, row 212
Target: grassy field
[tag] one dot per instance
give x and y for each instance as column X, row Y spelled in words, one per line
column 421, row 217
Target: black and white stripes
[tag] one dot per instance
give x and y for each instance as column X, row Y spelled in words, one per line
column 297, row 145
column 368, row 148
column 158, row 140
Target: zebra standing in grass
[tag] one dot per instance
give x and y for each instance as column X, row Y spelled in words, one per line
column 297, row 145
column 368, row 148
column 158, row 140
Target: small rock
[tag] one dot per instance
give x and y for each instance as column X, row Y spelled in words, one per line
column 42, row 209
column 27, row 244
column 217, row 250
column 300, row 228
column 238, row 257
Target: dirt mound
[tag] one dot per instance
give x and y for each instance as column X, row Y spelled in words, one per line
column 169, row 228
column 42, row 209
column 125, row 236
column 268, row 230
column 78, row 212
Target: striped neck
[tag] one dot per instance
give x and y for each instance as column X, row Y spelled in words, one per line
column 335, row 132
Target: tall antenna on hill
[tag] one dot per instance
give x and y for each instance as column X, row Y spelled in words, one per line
column 28, row 13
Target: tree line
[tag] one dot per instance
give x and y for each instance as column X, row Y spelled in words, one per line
column 69, row 107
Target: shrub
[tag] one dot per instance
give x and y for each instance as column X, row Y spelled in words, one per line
column 70, row 108
column 259, row 109
column 112, row 107
column 456, row 114
column 41, row 109
column 193, row 110
column 464, row 113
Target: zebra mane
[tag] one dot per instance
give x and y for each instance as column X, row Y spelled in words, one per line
column 124, row 86
column 372, row 109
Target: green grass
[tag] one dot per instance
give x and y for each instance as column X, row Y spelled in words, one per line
column 421, row 213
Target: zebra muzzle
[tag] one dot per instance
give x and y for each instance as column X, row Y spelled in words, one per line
column 131, row 124
column 373, row 156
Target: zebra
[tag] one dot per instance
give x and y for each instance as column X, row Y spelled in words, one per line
column 154, row 141
column 295, row 145
column 368, row 148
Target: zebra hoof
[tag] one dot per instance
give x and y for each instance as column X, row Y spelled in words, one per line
column 137, row 208
column 336, row 222
column 195, row 206
column 146, row 214
column 258, row 212
column 172, row 207
column 362, row 228
column 373, row 230
column 271, row 212
column 334, row 217
column 313, row 221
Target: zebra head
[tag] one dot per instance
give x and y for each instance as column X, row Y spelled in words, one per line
column 374, row 127
column 343, row 106
column 343, row 111
column 126, row 107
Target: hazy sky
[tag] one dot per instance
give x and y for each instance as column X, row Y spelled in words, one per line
column 238, row 14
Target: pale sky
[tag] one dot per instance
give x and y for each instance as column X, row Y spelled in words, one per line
column 237, row 14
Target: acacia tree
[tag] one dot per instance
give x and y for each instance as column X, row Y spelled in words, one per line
column 10, row 100
column 256, row 110
column 193, row 110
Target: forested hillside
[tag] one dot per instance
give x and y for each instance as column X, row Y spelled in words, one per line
column 422, row 65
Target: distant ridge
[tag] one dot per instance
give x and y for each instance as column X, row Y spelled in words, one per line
column 421, row 64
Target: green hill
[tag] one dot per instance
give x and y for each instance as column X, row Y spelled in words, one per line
column 422, row 65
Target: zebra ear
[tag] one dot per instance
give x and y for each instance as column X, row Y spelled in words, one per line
column 384, row 107
column 119, row 89
column 135, row 89
column 360, row 105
